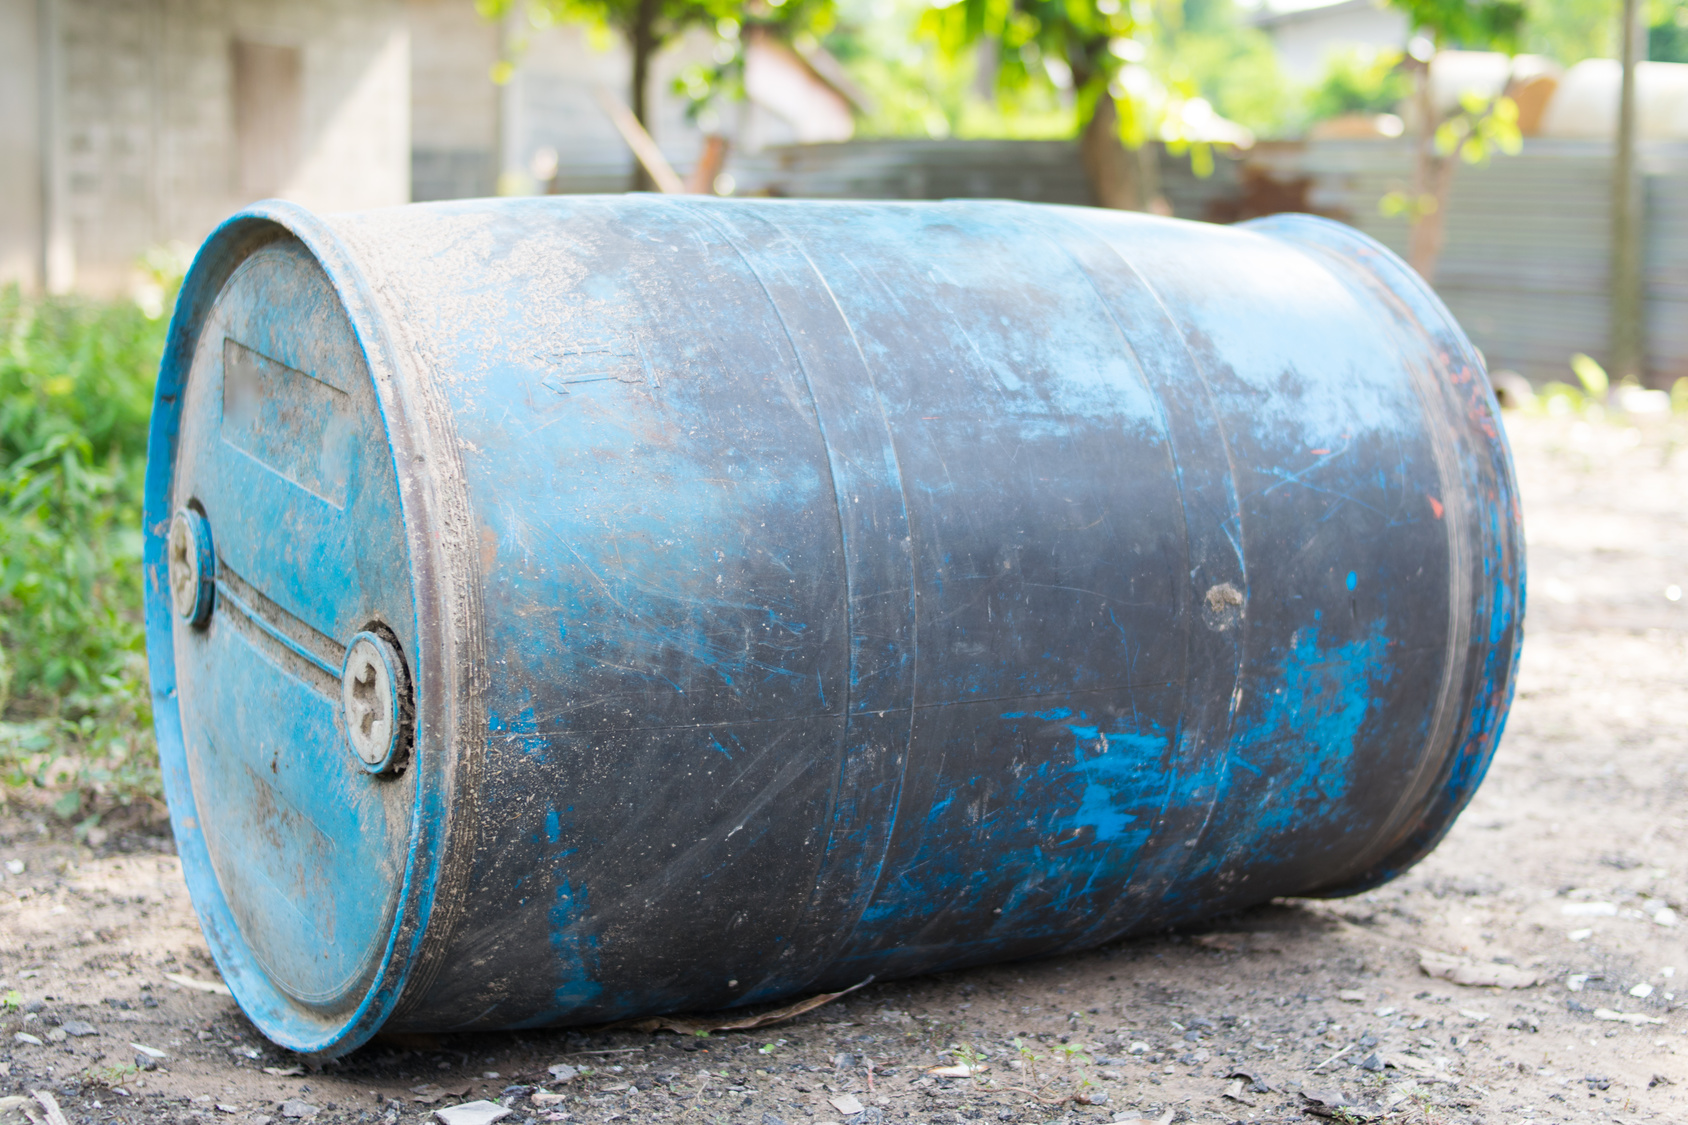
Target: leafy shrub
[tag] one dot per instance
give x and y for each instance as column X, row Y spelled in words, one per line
column 1359, row 80
column 76, row 381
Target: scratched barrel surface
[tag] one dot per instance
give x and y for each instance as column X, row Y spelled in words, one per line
column 566, row 609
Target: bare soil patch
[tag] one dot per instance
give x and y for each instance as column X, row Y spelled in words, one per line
column 1571, row 865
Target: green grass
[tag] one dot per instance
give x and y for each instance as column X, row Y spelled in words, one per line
column 76, row 381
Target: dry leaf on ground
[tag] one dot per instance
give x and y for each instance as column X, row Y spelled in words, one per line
column 694, row 1025
column 213, row 986
column 960, row 1070
column 1475, row 974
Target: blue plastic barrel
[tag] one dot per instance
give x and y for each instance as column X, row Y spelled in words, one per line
column 566, row 609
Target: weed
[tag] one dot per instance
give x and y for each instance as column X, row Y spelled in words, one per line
column 970, row 1057
column 1027, row 1059
column 75, row 394
column 112, row 1075
column 1074, row 1053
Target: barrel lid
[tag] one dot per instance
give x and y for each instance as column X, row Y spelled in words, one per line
column 282, row 630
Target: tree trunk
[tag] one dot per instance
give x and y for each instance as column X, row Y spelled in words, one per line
column 1628, row 356
column 642, row 42
column 1107, row 165
column 709, row 164
column 1433, row 178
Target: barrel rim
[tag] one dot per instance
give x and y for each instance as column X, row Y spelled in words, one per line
column 411, row 438
column 1482, row 700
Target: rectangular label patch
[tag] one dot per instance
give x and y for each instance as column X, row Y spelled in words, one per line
column 290, row 422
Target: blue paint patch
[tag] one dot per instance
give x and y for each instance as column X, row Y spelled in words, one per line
column 1353, row 579
column 1111, row 779
column 1308, row 732
column 553, row 826
column 577, row 953
column 1053, row 715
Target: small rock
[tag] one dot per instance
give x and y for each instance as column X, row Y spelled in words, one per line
column 78, row 1028
column 1352, row 995
column 57, row 1035
column 1641, row 991
column 1590, row 909
column 562, row 1072
column 299, row 1109
column 472, row 1113
column 14, row 866
column 223, row 1107
column 770, row 1119
column 150, row 1052
column 145, row 1062
column 1372, row 1063
column 1659, row 1080
column 26, row 1037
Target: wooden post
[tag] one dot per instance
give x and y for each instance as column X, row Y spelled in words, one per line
column 649, row 157
column 1628, row 355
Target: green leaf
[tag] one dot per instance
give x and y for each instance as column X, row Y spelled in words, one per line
column 1591, row 375
column 68, row 804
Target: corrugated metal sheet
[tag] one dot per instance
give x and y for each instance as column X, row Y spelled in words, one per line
column 1526, row 263
column 1038, row 171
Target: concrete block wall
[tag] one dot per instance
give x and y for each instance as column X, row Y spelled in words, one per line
column 454, row 104
column 471, row 138
column 21, row 236
column 142, row 148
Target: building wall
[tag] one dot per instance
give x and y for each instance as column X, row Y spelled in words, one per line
column 20, row 153
column 454, row 105
column 1306, row 38
column 473, row 138
column 146, row 137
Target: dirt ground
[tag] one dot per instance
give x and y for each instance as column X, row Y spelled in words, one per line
column 1571, row 864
